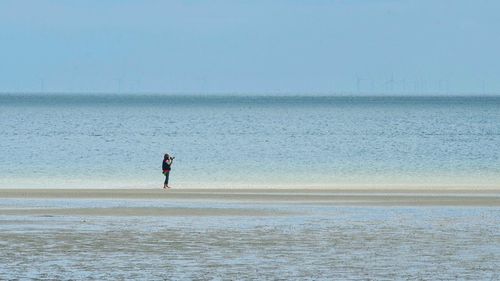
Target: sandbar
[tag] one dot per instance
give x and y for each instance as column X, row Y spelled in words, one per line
column 357, row 197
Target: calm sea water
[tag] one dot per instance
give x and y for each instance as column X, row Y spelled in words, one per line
column 224, row 141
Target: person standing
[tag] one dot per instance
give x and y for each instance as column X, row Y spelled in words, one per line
column 166, row 167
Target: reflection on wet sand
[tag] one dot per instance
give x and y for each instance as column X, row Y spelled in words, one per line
column 250, row 236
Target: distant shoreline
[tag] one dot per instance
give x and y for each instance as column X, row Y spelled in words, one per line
column 340, row 94
column 241, row 100
column 246, row 97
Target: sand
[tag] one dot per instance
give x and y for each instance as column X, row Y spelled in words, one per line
column 379, row 197
column 264, row 197
column 139, row 211
column 152, row 234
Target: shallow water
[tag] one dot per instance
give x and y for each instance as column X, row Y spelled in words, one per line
column 116, row 141
column 311, row 242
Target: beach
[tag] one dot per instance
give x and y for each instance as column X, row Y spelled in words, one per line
column 353, row 196
column 302, row 140
column 278, row 234
column 274, row 188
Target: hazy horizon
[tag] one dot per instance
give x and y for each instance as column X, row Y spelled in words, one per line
column 255, row 94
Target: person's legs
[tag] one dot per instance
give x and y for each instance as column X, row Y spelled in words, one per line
column 166, row 180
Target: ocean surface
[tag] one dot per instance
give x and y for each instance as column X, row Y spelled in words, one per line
column 248, row 141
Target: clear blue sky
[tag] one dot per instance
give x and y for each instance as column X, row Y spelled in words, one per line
column 230, row 46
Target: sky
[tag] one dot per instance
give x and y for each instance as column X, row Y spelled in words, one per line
column 250, row 47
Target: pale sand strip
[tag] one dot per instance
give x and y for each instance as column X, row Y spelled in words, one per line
column 390, row 197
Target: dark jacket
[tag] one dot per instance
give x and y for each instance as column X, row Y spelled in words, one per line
column 165, row 166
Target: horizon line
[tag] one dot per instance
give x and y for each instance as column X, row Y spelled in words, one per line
column 257, row 94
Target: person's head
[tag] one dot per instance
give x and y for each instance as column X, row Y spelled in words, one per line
column 166, row 157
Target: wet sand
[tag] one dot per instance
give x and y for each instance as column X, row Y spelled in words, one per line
column 138, row 211
column 356, row 197
column 152, row 234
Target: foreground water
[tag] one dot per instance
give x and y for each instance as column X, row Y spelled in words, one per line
column 118, row 141
column 279, row 241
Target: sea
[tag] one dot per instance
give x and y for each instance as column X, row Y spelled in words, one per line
column 237, row 141
column 118, row 141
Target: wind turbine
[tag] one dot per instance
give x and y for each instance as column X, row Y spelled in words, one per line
column 359, row 81
column 389, row 84
column 42, row 85
column 119, row 84
column 402, row 85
